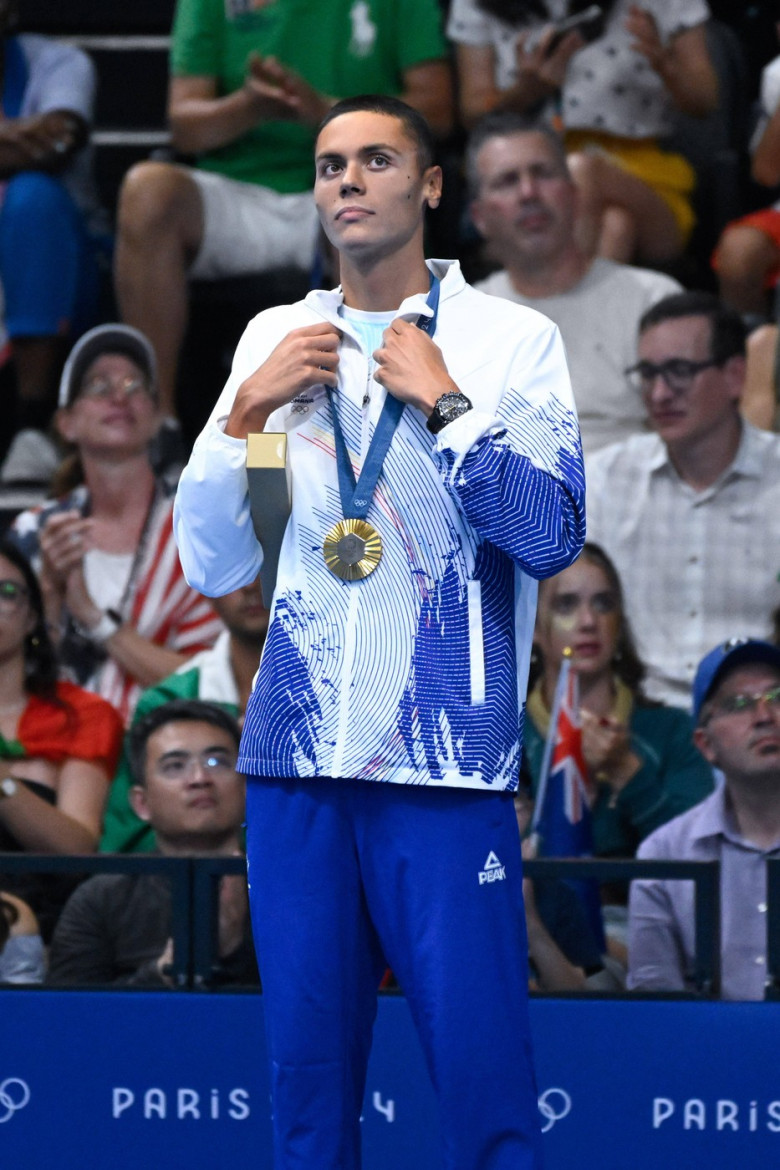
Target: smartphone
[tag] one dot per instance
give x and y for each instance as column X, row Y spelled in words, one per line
column 589, row 24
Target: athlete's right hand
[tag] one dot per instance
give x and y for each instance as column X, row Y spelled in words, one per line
column 306, row 357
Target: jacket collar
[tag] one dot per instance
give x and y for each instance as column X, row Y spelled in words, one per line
column 327, row 303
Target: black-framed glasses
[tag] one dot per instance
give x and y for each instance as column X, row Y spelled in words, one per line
column 678, row 374
column 13, row 594
column 744, row 704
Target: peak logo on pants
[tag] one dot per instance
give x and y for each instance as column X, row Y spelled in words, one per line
column 494, row 871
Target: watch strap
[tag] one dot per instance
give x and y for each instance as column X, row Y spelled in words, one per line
column 450, row 406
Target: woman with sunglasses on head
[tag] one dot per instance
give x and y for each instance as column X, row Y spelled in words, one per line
column 59, row 744
column 114, row 591
column 639, row 753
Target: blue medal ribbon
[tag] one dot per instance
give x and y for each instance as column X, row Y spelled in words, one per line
column 356, row 497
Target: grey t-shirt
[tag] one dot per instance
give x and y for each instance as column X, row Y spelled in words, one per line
column 598, row 319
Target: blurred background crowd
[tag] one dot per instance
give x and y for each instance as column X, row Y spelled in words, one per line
column 614, row 166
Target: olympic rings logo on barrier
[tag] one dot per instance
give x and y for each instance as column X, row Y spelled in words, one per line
column 554, row 1105
column 8, row 1100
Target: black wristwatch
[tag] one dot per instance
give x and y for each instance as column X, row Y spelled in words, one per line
column 449, row 407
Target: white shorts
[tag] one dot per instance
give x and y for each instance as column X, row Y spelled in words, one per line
column 248, row 228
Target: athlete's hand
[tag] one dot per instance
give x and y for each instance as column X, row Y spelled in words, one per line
column 410, row 366
column 306, row 357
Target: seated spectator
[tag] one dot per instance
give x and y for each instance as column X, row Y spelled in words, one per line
column 690, row 515
column 60, row 745
column 116, row 928
column 250, row 83
column 47, row 254
column 617, row 94
column 747, row 258
column 639, row 753
column 736, row 706
column 22, row 957
column 762, row 379
column 223, row 674
column 562, row 951
column 525, row 204
column 105, row 552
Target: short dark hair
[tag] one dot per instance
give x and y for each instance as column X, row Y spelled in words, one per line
column 415, row 125
column 728, row 332
column 503, row 124
column 176, row 711
column 41, row 669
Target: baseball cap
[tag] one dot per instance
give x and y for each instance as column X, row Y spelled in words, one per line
column 724, row 658
column 102, row 339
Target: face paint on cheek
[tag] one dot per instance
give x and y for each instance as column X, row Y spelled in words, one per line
column 563, row 623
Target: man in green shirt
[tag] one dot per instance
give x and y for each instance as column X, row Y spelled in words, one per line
column 221, row 675
column 251, row 79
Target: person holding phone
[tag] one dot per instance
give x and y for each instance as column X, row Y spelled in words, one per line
column 614, row 93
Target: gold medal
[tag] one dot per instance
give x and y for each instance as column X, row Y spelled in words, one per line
column 352, row 549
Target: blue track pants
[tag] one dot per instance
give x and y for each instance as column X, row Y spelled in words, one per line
column 346, row 876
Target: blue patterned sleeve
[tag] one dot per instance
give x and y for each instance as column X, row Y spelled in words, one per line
column 536, row 518
column 521, row 485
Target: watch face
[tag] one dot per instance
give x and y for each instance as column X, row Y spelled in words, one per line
column 447, row 409
column 452, row 406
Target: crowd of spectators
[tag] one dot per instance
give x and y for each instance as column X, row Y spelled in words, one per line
column 122, row 690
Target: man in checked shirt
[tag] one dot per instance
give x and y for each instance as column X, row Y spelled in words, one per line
column 690, row 514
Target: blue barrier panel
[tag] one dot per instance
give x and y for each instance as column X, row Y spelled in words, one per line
column 122, row 1080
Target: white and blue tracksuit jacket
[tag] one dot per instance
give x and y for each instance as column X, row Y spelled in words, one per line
column 415, row 674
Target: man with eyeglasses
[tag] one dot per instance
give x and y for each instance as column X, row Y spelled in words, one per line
column 736, row 704
column 690, row 514
column 116, row 928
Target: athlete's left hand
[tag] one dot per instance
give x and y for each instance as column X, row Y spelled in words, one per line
column 410, row 366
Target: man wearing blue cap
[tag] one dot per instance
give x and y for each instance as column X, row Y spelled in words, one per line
column 736, row 707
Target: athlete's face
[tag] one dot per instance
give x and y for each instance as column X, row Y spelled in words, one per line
column 369, row 188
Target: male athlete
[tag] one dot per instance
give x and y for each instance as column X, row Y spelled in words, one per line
column 382, row 738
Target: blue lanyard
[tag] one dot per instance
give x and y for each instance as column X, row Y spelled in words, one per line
column 356, row 497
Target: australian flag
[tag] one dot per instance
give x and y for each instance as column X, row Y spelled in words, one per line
column 561, row 822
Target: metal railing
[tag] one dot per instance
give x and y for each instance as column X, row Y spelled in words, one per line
column 705, row 875
column 194, row 902
column 192, row 883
